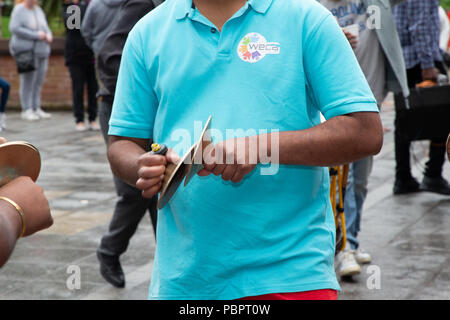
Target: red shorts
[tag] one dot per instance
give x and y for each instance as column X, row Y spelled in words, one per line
column 325, row 294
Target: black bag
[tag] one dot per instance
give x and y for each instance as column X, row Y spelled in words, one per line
column 427, row 117
column 25, row 61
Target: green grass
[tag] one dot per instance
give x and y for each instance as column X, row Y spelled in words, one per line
column 56, row 25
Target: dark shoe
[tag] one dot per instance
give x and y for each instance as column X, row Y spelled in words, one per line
column 111, row 270
column 404, row 186
column 436, row 185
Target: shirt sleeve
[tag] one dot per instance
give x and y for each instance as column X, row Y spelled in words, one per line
column 135, row 103
column 421, row 30
column 335, row 81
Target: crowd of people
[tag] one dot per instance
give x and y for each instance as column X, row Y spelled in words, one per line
column 127, row 72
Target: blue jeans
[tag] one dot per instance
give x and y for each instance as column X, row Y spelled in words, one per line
column 4, row 85
column 355, row 195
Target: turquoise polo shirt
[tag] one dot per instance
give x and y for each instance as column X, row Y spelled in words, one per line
column 275, row 66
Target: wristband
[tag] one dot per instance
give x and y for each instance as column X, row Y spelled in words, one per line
column 19, row 210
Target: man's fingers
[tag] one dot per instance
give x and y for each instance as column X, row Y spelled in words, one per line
column 218, row 169
column 148, row 193
column 229, row 172
column 172, row 157
column 209, row 167
column 148, row 159
column 151, row 172
column 241, row 172
column 2, row 140
column 144, row 184
column 238, row 176
column 204, row 173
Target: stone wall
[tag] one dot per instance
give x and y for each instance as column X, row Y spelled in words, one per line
column 57, row 89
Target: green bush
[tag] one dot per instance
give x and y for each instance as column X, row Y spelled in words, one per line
column 445, row 4
column 5, row 30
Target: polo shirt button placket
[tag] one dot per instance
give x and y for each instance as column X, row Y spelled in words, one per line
column 223, row 50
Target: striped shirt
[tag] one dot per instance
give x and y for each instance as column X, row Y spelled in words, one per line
column 418, row 28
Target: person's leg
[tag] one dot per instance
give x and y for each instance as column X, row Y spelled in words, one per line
column 402, row 147
column 433, row 180
column 350, row 211
column 437, row 147
column 355, row 196
column 92, row 92
column 42, row 66
column 433, row 168
column 5, row 87
column 404, row 181
column 153, row 210
column 346, row 264
column 128, row 212
column 26, row 89
column 27, row 80
column 78, row 80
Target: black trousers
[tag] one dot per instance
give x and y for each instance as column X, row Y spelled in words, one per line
column 82, row 74
column 433, row 168
column 129, row 209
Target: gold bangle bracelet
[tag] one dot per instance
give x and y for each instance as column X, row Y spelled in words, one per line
column 19, row 210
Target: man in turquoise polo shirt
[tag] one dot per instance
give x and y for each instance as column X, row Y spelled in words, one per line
column 267, row 67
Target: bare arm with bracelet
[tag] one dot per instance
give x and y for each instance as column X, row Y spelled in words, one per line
column 24, row 210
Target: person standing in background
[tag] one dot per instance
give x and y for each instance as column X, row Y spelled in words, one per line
column 377, row 47
column 30, row 31
column 419, row 27
column 5, row 87
column 131, row 206
column 80, row 61
column 98, row 21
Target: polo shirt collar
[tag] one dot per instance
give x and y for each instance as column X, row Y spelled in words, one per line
column 184, row 7
column 260, row 6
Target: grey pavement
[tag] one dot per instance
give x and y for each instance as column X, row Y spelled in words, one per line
column 407, row 236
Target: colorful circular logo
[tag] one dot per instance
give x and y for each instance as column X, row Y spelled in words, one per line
column 254, row 47
column 250, row 47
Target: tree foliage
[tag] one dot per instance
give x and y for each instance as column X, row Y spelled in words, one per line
column 52, row 8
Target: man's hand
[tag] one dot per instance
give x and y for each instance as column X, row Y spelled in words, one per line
column 30, row 197
column 351, row 38
column 2, row 140
column 430, row 74
column 151, row 172
column 232, row 159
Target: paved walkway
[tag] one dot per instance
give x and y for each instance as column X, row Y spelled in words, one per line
column 408, row 236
